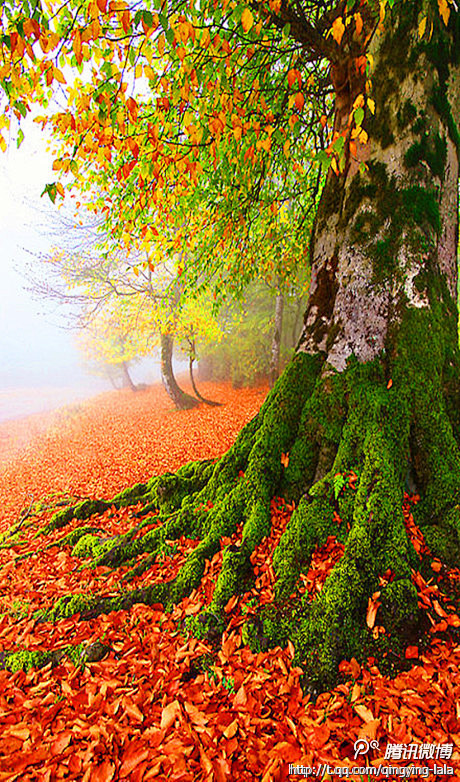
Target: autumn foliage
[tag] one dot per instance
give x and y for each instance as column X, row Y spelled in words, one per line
column 160, row 704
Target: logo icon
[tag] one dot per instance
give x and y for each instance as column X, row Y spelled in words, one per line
column 362, row 746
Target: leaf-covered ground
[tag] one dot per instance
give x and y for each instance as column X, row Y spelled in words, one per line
column 160, row 705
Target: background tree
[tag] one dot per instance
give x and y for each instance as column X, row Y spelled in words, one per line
column 98, row 285
column 373, row 388
column 120, row 334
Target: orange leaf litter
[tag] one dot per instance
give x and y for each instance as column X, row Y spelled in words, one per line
column 148, row 711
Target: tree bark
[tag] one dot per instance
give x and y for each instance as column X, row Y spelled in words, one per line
column 127, row 379
column 181, row 400
column 276, row 340
column 372, row 391
column 209, row 402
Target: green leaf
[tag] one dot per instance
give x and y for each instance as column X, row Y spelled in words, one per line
column 51, row 191
column 338, row 483
column 148, row 18
column 20, row 138
column 359, row 116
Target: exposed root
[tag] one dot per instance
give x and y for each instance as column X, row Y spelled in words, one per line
column 338, row 445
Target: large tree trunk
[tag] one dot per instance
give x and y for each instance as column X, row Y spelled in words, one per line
column 182, row 400
column 382, row 319
column 373, row 390
column 276, row 339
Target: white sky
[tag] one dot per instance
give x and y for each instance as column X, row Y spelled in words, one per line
column 34, row 349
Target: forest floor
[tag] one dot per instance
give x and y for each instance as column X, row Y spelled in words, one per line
column 164, row 706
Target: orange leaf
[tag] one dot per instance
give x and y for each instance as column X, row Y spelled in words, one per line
column 247, row 20
column 338, row 29
column 240, row 698
column 61, row 742
column 358, row 23
column 363, row 712
column 439, row 610
column 133, row 756
column 299, row 101
column 390, row 383
column 355, row 668
column 231, row 729
column 169, row 714
column 411, row 652
column 104, row 772
column 132, row 710
column 319, row 737
column 76, row 46
column 372, row 608
column 292, row 76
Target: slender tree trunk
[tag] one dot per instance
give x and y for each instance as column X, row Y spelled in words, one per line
column 209, row 402
column 127, row 379
column 276, row 340
column 181, row 400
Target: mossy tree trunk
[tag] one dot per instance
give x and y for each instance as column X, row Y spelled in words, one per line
column 276, row 339
column 373, row 390
column 181, row 400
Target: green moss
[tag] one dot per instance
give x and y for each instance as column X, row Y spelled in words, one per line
column 83, row 510
column 87, row 546
column 406, row 115
column 422, row 206
column 83, row 653
column 432, row 150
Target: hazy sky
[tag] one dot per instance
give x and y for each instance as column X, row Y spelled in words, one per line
column 34, row 349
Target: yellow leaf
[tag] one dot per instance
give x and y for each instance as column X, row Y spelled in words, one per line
column 444, row 10
column 338, row 29
column 422, row 27
column 3, row 145
column 59, row 76
column 247, row 20
column 161, row 44
column 371, row 104
column 286, row 147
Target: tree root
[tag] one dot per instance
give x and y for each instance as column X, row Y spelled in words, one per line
column 339, row 446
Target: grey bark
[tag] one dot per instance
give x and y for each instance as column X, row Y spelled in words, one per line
column 355, row 303
column 181, row 400
column 276, row 340
column 127, row 379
